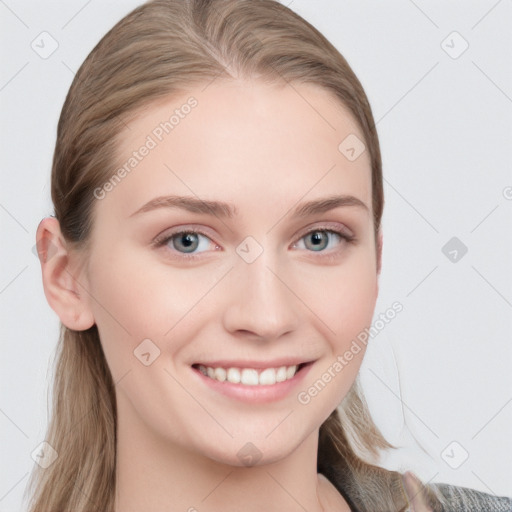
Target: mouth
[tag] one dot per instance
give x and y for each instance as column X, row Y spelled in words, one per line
column 249, row 376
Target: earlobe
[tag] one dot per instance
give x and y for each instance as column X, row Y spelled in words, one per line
column 60, row 283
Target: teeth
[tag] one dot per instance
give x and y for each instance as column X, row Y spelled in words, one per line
column 290, row 371
column 250, row 376
column 268, row 377
column 218, row 374
column 281, row 374
column 233, row 375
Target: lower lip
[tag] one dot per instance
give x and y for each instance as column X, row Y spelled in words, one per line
column 255, row 394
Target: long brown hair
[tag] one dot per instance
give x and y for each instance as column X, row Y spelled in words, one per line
column 159, row 49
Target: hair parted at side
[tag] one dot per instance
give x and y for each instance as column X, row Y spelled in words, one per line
column 159, row 49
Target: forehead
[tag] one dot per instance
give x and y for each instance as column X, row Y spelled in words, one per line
column 241, row 141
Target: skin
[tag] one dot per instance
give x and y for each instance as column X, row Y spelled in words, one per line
column 264, row 149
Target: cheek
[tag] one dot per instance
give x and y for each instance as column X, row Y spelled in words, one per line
column 354, row 300
column 355, row 306
column 342, row 297
column 137, row 298
column 343, row 303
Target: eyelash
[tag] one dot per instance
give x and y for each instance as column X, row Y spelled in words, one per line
column 161, row 241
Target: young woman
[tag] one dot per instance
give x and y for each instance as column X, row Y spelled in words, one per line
column 213, row 259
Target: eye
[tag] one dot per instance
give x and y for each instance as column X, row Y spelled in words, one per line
column 186, row 242
column 190, row 243
column 318, row 239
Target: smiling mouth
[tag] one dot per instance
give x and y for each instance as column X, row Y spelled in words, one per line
column 251, row 376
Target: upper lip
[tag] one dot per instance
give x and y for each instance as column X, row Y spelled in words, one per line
column 239, row 363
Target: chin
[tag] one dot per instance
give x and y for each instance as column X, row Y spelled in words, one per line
column 247, row 453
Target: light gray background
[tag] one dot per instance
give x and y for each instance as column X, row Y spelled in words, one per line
column 441, row 370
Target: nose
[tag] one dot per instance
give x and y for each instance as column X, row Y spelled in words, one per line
column 261, row 303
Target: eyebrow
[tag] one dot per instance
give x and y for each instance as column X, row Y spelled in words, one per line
column 226, row 210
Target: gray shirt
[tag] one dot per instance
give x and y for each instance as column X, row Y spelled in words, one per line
column 440, row 497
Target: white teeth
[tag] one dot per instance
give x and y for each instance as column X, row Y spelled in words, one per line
column 281, row 374
column 290, row 371
column 250, row 376
column 219, row 374
column 268, row 377
column 233, row 375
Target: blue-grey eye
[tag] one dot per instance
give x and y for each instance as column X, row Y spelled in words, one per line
column 187, row 242
column 319, row 239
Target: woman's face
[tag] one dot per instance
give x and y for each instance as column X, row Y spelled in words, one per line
column 251, row 289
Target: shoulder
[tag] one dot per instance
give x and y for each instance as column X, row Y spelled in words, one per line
column 469, row 500
column 441, row 497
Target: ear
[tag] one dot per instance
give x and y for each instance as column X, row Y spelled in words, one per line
column 60, row 279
